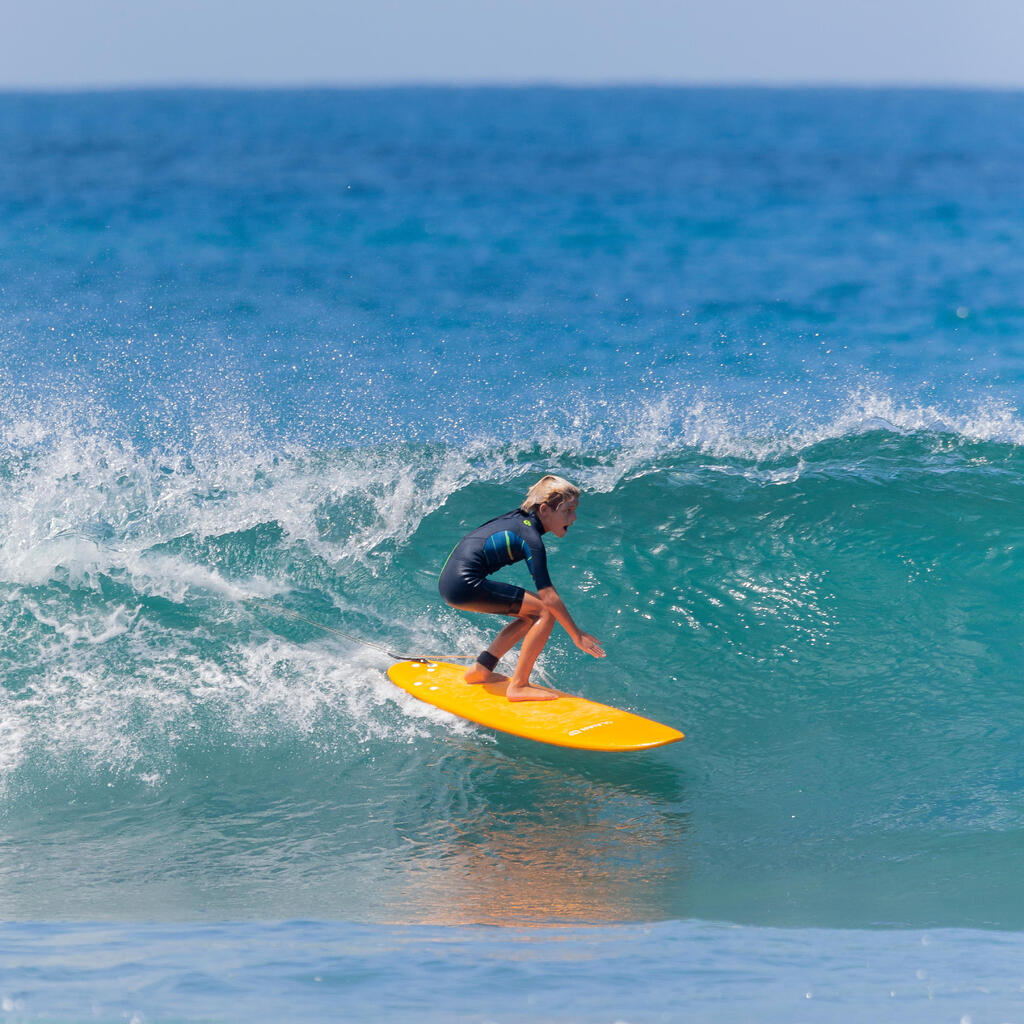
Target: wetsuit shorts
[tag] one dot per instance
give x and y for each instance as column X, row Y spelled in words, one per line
column 475, row 595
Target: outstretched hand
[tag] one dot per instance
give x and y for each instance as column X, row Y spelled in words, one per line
column 591, row 645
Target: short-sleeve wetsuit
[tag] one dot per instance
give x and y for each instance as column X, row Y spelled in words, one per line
column 513, row 537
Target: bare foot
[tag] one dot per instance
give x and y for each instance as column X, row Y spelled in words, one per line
column 481, row 675
column 526, row 691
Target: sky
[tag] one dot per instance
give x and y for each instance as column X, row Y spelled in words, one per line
column 61, row 44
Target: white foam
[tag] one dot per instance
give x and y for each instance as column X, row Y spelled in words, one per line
column 76, row 630
column 127, row 702
column 986, row 420
column 691, row 419
column 14, row 731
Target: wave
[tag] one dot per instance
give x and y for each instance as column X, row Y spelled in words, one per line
column 134, row 579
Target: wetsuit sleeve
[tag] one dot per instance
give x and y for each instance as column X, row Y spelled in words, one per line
column 538, row 563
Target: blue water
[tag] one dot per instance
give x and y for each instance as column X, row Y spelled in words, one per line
column 267, row 355
column 321, row 971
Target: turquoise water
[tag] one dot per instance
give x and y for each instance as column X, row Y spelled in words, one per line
column 266, row 355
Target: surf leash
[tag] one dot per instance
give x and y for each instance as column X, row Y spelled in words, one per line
column 288, row 613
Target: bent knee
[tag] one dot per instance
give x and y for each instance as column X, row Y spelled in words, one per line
column 538, row 616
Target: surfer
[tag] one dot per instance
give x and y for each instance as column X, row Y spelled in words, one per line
column 549, row 507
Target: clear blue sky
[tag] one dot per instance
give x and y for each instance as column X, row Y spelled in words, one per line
column 90, row 43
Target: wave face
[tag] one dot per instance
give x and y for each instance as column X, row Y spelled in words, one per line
column 265, row 357
column 835, row 626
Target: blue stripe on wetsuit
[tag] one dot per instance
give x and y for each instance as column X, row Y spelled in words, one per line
column 506, row 548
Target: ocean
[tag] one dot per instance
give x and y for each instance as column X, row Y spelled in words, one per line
column 266, row 356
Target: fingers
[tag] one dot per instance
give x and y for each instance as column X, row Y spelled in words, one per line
column 590, row 645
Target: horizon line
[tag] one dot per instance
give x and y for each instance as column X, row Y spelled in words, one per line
column 824, row 85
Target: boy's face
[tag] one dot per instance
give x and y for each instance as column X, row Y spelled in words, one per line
column 558, row 520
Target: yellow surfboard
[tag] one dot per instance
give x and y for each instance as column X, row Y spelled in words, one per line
column 566, row 722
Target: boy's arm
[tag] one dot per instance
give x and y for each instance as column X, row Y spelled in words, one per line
column 584, row 641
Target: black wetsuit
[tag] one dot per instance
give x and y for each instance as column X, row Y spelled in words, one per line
column 513, row 537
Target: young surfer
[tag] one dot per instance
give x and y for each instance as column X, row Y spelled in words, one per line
column 550, row 507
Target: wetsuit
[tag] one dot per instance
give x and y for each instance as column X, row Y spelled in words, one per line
column 513, row 537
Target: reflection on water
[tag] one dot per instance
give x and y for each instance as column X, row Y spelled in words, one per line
column 445, row 830
column 545, row 839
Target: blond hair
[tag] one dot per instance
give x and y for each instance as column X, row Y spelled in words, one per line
column 549, row 490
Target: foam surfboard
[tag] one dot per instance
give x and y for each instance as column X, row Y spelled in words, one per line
column 566, row 722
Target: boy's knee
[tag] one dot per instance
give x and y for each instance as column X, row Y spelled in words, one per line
column 542, row 616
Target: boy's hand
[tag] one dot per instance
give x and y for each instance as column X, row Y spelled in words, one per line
column 591, row 645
